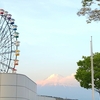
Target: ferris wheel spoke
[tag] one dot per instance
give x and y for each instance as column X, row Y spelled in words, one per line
column 2, row 71
column 6, row 49
column 0, row 28
column 4, row 31
column 6, row 52
column 4, row 46
column 2, row 24
column 5, row 24
column 5, row 58
column 4, row 35
column 4, row 28
column 6, row 38
column 4, row 64
column 7, row 46
column 2, row 19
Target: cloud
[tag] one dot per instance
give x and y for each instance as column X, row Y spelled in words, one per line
column 56, row 79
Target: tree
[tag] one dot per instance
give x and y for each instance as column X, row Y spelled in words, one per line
column 90, row 9
column 83, row 73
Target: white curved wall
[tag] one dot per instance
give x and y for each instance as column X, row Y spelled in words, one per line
column 17, row 87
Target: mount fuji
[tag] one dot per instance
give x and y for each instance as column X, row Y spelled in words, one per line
column 58, row 80
column 65, row 87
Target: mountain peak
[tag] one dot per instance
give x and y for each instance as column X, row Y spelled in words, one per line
column 57, row 76
column 56, row 79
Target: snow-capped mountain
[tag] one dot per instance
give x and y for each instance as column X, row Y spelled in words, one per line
column 59, row 86
column 56, row 79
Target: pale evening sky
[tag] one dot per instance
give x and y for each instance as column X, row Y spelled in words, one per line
column 53, row 38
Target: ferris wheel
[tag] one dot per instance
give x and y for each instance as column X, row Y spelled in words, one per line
column 8, row 43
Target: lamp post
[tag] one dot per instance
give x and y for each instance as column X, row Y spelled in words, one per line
column 92, row 70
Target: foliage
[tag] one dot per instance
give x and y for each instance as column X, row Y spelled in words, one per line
column 90, row 8
column 83, row 73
